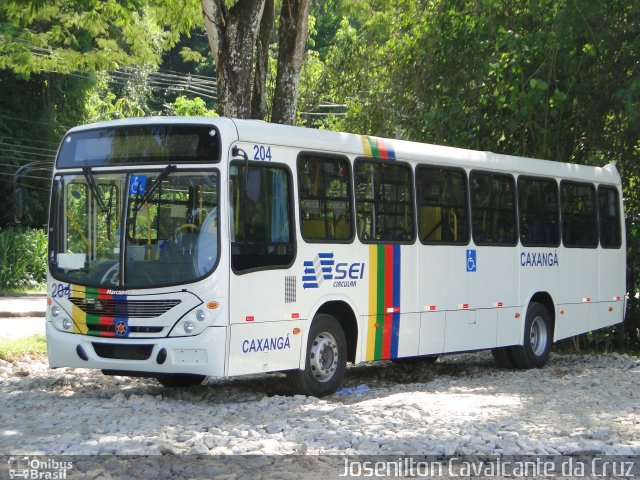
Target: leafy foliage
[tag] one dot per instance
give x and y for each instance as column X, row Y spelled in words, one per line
column 69, row 36
column 23, row 258
column 190, row 107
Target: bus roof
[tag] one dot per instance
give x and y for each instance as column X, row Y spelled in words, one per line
column 260, row 132
column 324, row 140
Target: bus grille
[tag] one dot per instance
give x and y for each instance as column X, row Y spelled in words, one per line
column 123, row 352
column 124, row 308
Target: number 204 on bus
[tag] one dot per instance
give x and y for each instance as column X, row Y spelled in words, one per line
column 181, row 248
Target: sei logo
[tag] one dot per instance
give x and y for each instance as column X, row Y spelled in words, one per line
column 324, row 267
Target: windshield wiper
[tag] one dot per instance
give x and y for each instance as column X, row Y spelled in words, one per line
column 88, row 176
column 156, row 183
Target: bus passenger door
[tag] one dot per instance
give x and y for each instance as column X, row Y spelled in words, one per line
column 265, row 329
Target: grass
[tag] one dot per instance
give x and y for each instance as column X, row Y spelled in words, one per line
column 14, row 349
column 17, row 292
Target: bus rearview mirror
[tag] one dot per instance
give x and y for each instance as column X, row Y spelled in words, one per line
column 17, row 205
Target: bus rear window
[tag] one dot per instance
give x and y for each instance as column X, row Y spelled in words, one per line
column 140, row 144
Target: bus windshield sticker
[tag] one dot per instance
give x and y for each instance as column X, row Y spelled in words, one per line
column 138, row 185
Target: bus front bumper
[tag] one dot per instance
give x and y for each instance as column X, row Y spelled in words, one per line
column 202, row 354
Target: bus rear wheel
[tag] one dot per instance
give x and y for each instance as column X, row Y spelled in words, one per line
column 180, row 380
column 325, row 360
column 538, row 336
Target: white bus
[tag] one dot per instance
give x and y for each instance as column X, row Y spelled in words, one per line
column 181, row 248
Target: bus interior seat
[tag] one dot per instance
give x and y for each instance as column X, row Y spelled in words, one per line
column 342, row 229
column 361, row 225
column 430, row 223
column 314, row 228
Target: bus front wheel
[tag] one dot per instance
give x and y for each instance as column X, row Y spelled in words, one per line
column 325, row 361
column 538, row 336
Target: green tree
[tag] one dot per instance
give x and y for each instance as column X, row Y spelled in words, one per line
column 48, row 54
column 238, row 37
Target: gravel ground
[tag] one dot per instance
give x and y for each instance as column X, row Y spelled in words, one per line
column 462, row 405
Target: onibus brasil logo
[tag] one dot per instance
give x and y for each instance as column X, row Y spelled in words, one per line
column 324, row 267
column 38, row 468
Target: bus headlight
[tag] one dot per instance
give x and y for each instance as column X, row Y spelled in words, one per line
column 55, row 311
column 189, row 327
column 66, row 323
column 200, row 315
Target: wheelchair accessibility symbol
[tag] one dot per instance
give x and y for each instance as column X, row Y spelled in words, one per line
column 471, row 261
column 138, row 185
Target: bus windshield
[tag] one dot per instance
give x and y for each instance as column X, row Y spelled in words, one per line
column 170, row 220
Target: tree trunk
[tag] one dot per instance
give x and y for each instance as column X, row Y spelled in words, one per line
column 294, row 22
column 232, row 36
column 259, row 97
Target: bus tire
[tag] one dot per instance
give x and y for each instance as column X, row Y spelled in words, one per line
column 180, row 380
column 503, row 357
column 325, row 360
column 538, row 337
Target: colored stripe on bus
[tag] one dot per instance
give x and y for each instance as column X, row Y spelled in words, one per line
column 377, row 147
column 83, row 322
column 383, row 332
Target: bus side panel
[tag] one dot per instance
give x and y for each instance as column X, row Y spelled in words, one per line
column 392, row 326
column 265, row 347
column 491, row 276
column 494, row 283
column 470, row 329
column 432, row 333
column 612, row 289
column 409, row 339
column 441, row 287
column 580, row 266
column 509, row 331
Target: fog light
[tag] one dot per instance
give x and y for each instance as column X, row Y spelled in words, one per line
column 200, row 315
column 66, row 324
column 55, row 310
column 189, row 327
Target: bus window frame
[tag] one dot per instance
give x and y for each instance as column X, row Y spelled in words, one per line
column 146, row 168
column 515, row 207
column 467, row 205
column 605, row 186
column 412, row 202
column 352, row 200
column 558, row 210
column 596, row 244
column 292, row 215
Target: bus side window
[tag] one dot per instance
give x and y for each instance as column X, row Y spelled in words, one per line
column 443, row 216
column 579, row 222
column 326, row 205
column 539, row 212
column 384, row 201
column 609, row 211
column 493, row 208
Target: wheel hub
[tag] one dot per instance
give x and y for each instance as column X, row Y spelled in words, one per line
column 538, row 336
column 323, row 356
